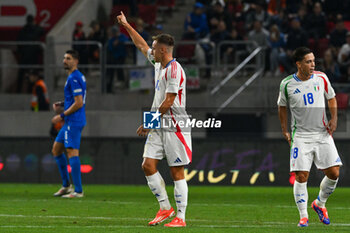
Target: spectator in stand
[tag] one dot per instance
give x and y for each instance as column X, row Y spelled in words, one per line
column 331, row 67
column 344, row 55
column 40, row 97
column 281, row 20
column 232, row 51
column 218, row 20
column 316, row 23
column 276, row 45
column 218, row 15
column 235, row 8
column 28, row 54
column 97, row 34
column 116, row 55
column 196, row 25
column 140, row 28
column 139, row 58
column 296, row 38
column 257, row 12
column 308, row 4
column 79, row 36
column 338, row 36
column 302, row 16
column 219, row 34
column 259, row 34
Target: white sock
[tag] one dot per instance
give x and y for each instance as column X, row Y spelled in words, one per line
column 157, row 185
column 181, row 194
column 301, row 197
column 327, row 187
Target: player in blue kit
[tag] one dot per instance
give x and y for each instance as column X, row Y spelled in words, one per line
column 74, row 118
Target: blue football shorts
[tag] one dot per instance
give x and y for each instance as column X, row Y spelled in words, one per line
column 70, row 136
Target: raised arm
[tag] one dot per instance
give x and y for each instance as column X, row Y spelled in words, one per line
column 139, row 42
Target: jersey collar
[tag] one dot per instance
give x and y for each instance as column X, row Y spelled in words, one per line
column 167, row 65
column 298, row 80
column 296, row 77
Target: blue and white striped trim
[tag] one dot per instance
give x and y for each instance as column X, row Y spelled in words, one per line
column 296, row 78
column 77, row 90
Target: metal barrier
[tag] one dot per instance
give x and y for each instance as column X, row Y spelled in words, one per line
column 204, row 55
column 189, row 63
column 19, row 43
column 246, row 44
column 259, row 69
column 236, row 70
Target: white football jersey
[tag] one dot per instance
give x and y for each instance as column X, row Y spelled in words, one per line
column 170, row 79
column 306, row 100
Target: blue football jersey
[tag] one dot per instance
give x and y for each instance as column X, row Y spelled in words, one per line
column 75, row 85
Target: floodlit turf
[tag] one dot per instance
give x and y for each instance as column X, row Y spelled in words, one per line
column 111, row 208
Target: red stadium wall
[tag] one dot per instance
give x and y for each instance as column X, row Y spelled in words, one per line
column 13, row 15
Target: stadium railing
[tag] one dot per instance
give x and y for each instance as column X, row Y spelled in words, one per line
column 199, row 57
column 11, row 67
column 256, row 55
column 56, row 76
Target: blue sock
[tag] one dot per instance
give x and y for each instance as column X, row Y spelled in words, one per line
column 76, row 173
column 61, row 161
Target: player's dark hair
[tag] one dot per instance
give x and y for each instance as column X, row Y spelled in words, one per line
column 164, row 39
column 73, row 53
column 300, row 53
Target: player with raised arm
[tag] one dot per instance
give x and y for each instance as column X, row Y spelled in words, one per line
column 169, row 100
column 73, row 114
column 311, row 141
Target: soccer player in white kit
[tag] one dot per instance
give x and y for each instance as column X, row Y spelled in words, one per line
column 173, row 144
column 311, row 140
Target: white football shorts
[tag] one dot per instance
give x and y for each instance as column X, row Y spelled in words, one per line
column 176, row 147
column 319, row 149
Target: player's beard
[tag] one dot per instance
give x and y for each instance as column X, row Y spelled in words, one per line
column 66, row 67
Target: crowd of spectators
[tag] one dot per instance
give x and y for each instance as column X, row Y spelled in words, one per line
column 280, row 27
column 117, row 49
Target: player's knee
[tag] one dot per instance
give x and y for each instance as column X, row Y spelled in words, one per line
column 334, row 174
column 301, row 177
column 178, row 176
column 148, row 168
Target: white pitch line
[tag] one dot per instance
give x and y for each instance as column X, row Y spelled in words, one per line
column 144, row 226
column 123, row 218
column 46, row 227
column 269, row 223
column 194, row 204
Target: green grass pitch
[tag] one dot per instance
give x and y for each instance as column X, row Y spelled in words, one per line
column 114, row 208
